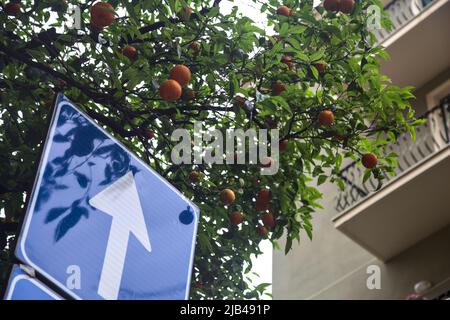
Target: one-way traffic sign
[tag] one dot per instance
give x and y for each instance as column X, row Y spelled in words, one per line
column 101, row 224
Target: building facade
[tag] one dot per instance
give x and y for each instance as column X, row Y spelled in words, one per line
column 380, row 242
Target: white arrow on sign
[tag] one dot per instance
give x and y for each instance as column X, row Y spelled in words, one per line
column 121, row 201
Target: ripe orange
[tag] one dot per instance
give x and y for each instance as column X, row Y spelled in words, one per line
column 227, row 196
column 194, row 176
column 290, row 65
column 13, row 8
column 262, row 231
column 284, row 11
column 286, row 59
column 170, row 90
column 278, row 88
column 261, row 205
column 236, row 217
column 102, row 14
column 263, row 199
column 264, row 195
column 369, row 160
column 130, row 52
column 326, row 118
column 283, row 145
column 96, row 27
column 320, row 67
column 268, row 220
column 346, row 6
column 194, row 46
column 149, row 133
column 181, row 74
column 239, row 101
column 185, row 14
column 331, row 5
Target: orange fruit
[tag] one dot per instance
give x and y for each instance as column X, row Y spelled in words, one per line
column 320, row 67
column 284, row 11
column 239, row 101
column 181, row 74
column 262, row 231
column 346, row 6
column 290, row 65
column 369, row 160
column 170, row 90
column 263, row 199
column 278, row 88
column 102, row 14
column 130, row 52
column 149, row 133
column 268, row 220
column 194, row 46
column 194, row 176
column 13, row 8
column 331, row 5
column 185, row 14
column 227, row 196
column 236, row 217
column 326, row 118
column 264, row 195
column 286, row 59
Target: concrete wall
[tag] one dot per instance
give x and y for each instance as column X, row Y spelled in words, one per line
column 332, row 266
column 420, row 103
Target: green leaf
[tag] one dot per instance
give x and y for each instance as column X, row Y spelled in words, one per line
column 321, row 179
column 288, row 245
column 315, row 72
column 317, row 55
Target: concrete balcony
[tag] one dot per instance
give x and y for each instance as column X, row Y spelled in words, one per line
column 418, row 45
column 401, row 13
column 409, row 207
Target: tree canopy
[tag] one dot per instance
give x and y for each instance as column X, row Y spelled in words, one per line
column 315, row 77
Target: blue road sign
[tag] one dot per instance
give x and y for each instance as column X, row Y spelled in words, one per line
column 23, row 287
column 101, row 224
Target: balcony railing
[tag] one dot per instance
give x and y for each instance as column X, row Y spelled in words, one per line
column 401, row 12
column 431, row 137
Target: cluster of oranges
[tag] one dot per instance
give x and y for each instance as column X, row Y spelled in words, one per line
column 325, row 117
column 171, row 90
column 262, row 203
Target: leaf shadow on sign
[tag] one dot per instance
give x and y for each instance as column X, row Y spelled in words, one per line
column 86, row 145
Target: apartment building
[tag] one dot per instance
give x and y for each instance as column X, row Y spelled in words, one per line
column 386, row 243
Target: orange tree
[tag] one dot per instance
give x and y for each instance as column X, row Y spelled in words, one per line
column 315, row 77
